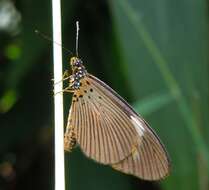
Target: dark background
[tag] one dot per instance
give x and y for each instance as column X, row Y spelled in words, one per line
column 153, row 53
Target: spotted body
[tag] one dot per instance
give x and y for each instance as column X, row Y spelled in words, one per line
column 79, row 72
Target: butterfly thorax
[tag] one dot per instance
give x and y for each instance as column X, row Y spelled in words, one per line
column 78, row 73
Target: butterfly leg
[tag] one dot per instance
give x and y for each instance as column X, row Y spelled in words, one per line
column 68, row 89
column 65, row 76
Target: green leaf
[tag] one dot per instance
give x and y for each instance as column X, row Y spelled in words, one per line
column 7, row 101
column 153, row 103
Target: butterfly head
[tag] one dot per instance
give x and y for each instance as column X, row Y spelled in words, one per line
column 75, row 62
column 77, row 65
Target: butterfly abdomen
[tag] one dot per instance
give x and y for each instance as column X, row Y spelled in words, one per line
column 70, row 140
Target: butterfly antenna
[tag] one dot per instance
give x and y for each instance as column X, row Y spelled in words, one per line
column 77, row 33
column 51, row 40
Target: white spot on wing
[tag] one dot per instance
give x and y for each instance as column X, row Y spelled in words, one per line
column 138, row 125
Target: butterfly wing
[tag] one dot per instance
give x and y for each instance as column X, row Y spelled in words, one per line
column 149, row 161
column 107, row 129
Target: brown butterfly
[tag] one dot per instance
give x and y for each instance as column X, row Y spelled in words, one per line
column 109, row 131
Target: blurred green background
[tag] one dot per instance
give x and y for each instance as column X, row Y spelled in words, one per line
column 153, row 53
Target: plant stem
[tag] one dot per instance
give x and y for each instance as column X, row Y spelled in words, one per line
column 58, row 98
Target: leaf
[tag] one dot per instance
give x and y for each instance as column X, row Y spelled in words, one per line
column 7, row 101
column 153, row 103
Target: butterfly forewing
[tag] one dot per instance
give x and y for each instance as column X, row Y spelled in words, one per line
column 149, row 159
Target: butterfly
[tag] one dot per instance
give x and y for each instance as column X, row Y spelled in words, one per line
column 109, row 131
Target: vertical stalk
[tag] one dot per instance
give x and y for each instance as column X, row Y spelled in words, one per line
column 58, row 98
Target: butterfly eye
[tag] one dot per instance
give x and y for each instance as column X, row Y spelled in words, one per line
column 73, row 60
